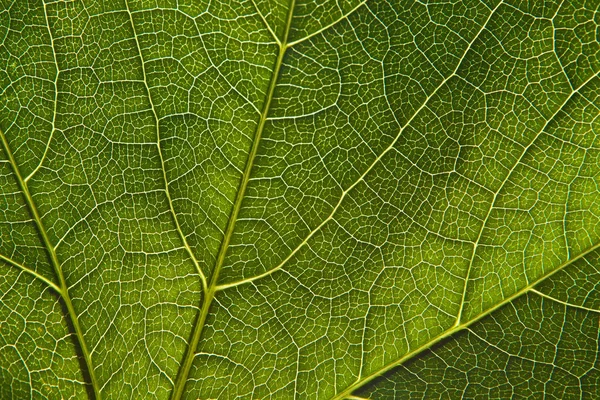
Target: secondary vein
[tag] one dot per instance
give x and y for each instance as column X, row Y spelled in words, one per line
column 506, row 178
column 160, row 155
column 31, row 272
column 63, row 288
column 362, row 177
column 220, row 260
column 457, row 328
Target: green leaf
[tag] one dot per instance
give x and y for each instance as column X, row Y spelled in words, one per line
column 543, row 344
column 261, row 199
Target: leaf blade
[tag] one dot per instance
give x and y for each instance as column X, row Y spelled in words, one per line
column 416, row 167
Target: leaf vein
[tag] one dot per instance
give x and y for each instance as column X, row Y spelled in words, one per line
column 162, row 160
column 212, row 286
column 57, row 267
column 367, row 170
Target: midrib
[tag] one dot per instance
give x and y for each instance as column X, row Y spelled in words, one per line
column 209, row 295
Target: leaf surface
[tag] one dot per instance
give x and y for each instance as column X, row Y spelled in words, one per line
column 293, row 200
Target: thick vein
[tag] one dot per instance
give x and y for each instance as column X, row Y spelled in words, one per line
column 209, row 294
column 506, row 179
column 63, row 288
column 460, row 325
column 456, row 328
column 160, row 155
column 367, row 170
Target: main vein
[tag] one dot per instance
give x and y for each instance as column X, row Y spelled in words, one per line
column 62, row 286
column 209, row 294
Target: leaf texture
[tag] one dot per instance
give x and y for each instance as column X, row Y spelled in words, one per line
column 271, row 199
column 542, row 345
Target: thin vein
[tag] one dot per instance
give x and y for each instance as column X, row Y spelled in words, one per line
column 267, row 25
column 366, row 172
column 554, row 48
column 162, row 160
column 565, row 303
column 54, row 110
column 496, row 346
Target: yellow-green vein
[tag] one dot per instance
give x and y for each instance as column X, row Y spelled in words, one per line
column 508, row 175
column 53, row 126
column 160, row 155
column 31, row 272
column 209, row 295
column 456, row 328
column 361, row 178
column 63, row 289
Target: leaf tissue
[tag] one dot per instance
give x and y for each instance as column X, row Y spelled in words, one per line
column 279, row 199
